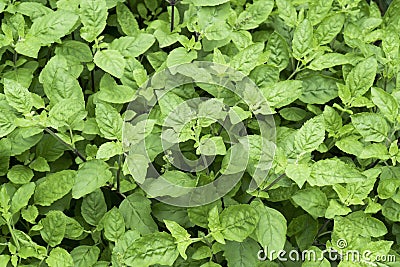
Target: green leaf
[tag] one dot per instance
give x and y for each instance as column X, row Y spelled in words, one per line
column 50, row 148
column 109, row 121
column 335, row 208
column 332, row 120
column 254, row 14
column 293, row 114
column 367, row 225
column 283, row 93
column 85, row 256
column 7, row 120
column 45, row 30
column 90, row 176
column 287, row 12
column 302, row 39
column 139, row 132
column 333, row 171
column 379, row 151
column 319, row 10
column 30, row 214
column 52, row 26
column 59, row 80
column 93, row 207
column 356, row 193
column 93, row 15
column 59, row 257
column 164, row 35
column 373, row 127
column 111, row 61
column 212, row 146
column 4, row 259
column 238, row 222
column 80, row 51
column 22, row 139
column 180, row 56
column 21, row 197
column 218, row 31
column 40, row 165
column 247, row 59
column 208, row 3
column 18, row 96
column 210, row 264
column 163, row 211
column 318, row 262
column 350, row 145
column 199, row 215
column 310, row 135
column 138, row 165
column 59, row 116
column 19, row 174
column 181, row 236
column 390, row 210
column 278, row 46
column 133, row 46
column 329, row 28
column 109, row 150
column 215, row 225
column 388, row 183
column 299, row 173
column 136, row 211
column 126, row 20
column 271, row 228
column 114, row 224
column 386, row 103
column 28, row 248
column 329, row 60
column 4, row 199
column 111, row 92
column 160, row 245
column 135, row 74
column 121, row 246
column 73, row 229
column 312, row 200
column 54, row 186
column 202, row 252
column 361, row 77
column 242, row 254
column 53, row 230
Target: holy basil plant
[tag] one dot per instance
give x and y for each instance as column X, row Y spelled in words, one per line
column 317, row 147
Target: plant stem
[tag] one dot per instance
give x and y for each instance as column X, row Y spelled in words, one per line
column 110, row 187
column 11, row 229
column 274, row 182
column 92, row 79
column 76, row 152
column 172, row 17
column 321, row 229
column 297, row 70
column 119, row 173
column 15, row 59
column 172, row 3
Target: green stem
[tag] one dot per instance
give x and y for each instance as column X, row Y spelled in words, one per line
column 11, row 229
column 274, row 182
column 119, row 173
column 297, row 70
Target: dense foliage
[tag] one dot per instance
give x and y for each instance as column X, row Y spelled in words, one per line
column 329, row 73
